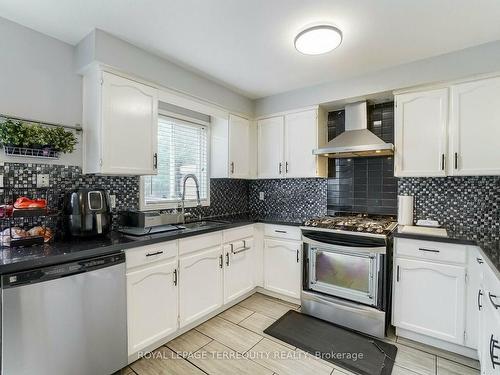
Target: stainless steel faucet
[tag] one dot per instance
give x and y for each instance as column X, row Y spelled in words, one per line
column 198, row 200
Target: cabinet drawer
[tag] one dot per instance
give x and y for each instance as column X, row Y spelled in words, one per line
column 239, row 233
column 140, row 256
column 203, row 241
column 282, row 231
column 439, row 251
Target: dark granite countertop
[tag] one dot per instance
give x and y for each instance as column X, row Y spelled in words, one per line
column 490, row 247
column 19, row 259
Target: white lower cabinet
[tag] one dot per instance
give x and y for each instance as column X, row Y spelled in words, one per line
column 151, row 318
column 200, row 284
column 429, row 299
column 239, row 260
column 489, row 323
column 282, row 267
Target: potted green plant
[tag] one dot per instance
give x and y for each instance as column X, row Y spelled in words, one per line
column 36, row 136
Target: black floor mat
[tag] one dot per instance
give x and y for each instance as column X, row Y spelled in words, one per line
column 348, row 349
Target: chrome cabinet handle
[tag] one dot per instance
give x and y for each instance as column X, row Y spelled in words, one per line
column 175, row 277
column 479, row 260
column 297, row 255
column 429, row 250
column 491, row 297
column 227, row 259
column 456, row 160
column 442, row 162
column 241, row 249
column 220, row 261
column 397, row 274
column 279, row 169
column 493, row 357
column 155, row 160
column 286, row 167
column 280, row 231
column 479, row 295
column 153, row 254
column 232, row 167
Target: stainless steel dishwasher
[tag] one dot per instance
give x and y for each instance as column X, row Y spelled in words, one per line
column 66, row 319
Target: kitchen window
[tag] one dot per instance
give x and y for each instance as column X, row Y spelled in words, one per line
column 182, row 150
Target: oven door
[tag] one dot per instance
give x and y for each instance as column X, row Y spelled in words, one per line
column 344, row 272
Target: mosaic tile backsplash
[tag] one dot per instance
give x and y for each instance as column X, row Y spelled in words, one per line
column 469, row 206
column 227, row 197
column 288, row 199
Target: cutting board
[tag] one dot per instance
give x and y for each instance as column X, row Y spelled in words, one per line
column 411, row 229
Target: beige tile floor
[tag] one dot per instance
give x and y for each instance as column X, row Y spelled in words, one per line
column 233, row 343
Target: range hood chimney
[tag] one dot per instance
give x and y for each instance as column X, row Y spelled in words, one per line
column 356, row 140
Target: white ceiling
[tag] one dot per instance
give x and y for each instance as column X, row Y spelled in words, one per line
column 247, row 45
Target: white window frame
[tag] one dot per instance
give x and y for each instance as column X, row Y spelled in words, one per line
column 143, row 206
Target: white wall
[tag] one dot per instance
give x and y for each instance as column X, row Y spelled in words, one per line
column 109, row 50
column 471, row 61
column 38, row 81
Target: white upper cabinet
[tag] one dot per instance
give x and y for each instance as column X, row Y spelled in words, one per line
column 239, row 147
column 451, row 131
column 270, row 139
column 420, row 133
column 475, row 128
column 301, row 137
column 233, row 148
column 120, row 122
column 286, row 144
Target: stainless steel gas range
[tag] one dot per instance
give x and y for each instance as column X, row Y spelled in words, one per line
column 347, row 268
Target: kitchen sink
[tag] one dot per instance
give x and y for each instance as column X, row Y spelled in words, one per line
column 205, row 224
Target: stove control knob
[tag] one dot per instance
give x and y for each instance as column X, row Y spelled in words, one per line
column 360, row 229
column 307, row 223
column 369, row 229
column 314, row 224
column 380, row 230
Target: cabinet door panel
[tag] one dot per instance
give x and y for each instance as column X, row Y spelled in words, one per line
column 200, row 284
column 270, row 141
column 238, row 269
column 421, row 132
column 239, row 147
column 301, row 137
column 282, row 270
column 129, row 126
column 475, row 128
column 429, row 298
column 151, row 304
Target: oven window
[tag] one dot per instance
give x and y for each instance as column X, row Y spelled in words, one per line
column 342, row 270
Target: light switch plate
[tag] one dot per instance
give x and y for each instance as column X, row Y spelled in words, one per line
column 42, row 180
column 112, row 200
column 261, row 195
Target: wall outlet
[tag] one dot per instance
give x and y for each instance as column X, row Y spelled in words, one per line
column 112, row 200
column 42, row 180
column 261, row 195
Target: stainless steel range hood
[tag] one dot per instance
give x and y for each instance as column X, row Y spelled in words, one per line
column 356, row 140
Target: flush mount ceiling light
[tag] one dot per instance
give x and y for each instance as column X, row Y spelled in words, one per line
column 318, row 39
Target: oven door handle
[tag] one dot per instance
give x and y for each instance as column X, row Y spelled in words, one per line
column 346, row 249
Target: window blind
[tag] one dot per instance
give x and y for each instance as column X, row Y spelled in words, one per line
column 182, row 149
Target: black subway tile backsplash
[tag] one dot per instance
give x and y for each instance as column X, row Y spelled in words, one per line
column 364, row 185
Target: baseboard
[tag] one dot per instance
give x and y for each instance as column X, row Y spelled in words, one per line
column 454, row 348
column 269, row 293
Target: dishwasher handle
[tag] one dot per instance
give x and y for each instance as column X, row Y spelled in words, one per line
column 57, row 271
